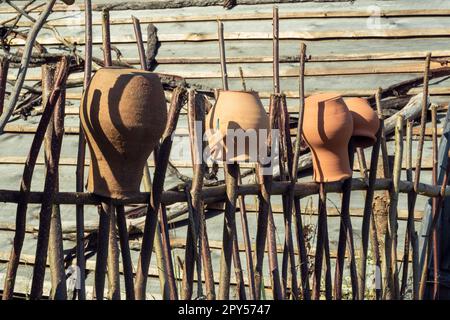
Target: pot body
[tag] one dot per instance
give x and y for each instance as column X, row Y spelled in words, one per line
column 238, row 127
column 327, row 129
column 123, row 115
column 365, row 122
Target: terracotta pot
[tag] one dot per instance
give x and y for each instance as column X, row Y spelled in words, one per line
column 365, row 122
column 327, row 129
column 236, row 110
column 123, row 114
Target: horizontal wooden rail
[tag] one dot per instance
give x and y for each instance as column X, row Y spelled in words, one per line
column 253, row 16
column 214, row 193
column 291, row 35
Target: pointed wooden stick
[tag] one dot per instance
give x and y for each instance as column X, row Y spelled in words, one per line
column 288, row 252
column 365, row 229
column 81, row 155
column 106, row 33
column 140, row 43
column 125, row 251
column 390, row 261
column 113, row 258
column 434, row 232
column 155, row 199
column 346, row 234
column 191, row 253
column 160, row 260
column 231, row 177
column 53, row 142
column 266, row 191
column 104, row 211
column 222, row 55
column 4, row 67
column 318, row 258
column 409, row 177
column 298, row 217
column 423, row 123
column 276, row 50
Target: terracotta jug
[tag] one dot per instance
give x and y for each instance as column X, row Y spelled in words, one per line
column 123, row 114
column 236, row 110
column 365, row 122
column 327, row 128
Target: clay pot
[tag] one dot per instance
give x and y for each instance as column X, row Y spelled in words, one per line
column 327, row 128
column 236, row 110
column 365, row 122
column 123, row 114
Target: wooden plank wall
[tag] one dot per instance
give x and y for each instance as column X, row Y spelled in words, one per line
column 353, row 48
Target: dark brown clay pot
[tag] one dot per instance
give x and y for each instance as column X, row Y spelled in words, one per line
column 236, row 110
column 365, row 122
column 123, row 114
column 327, row 128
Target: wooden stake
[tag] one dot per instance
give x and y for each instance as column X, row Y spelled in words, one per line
column 81, row 154
column 231, row 177
column 390, row 261
column 53, row 142
column 288, row 252
column 191, row 252
column 365, row 229
column 222, row 55
column 160, row 260
column 4, row 67
column 155, row 199
column 140, row 43
column 298, row 217
column 113, row 258
column 107, row 58
column 434, row 232
column 346, row 234
column 276, row 51
column 104, row 211
column 318, row 259
column 125, row 251
column 410, row 228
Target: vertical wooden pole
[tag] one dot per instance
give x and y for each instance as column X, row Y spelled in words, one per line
column 365, row 229
column 160, row 260
column 434, row 232
column 125, row 251
column 191, row 253
column 140, row 43
column 81, row 154
column 4, row 67
column 346, row 234
column 410, row 232
column 55, row 247
column 288, row 252
column 107, row 58
column 318, row 258
column 276, row 51
column 113, row 258
column 176, row 104
column 231, row 177
column 104, row 211
column 223, row 64
column 390, row 262
column 298, row 217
